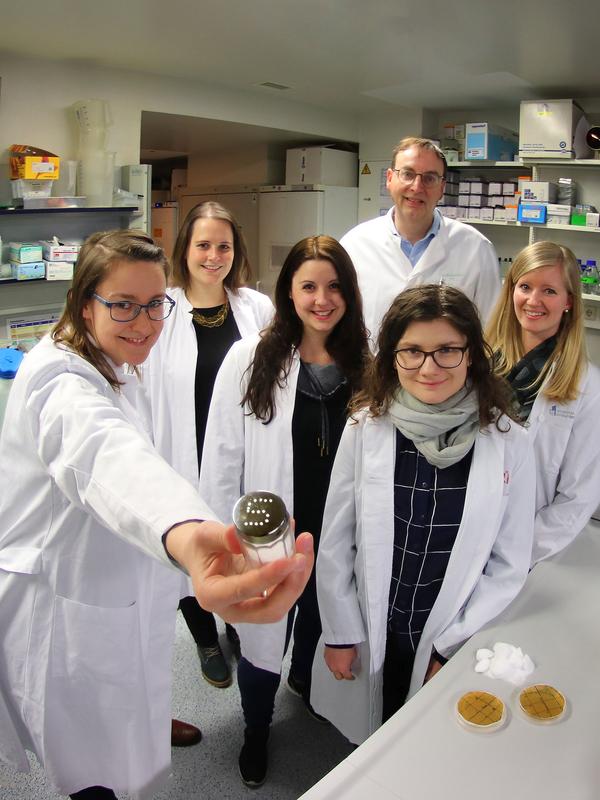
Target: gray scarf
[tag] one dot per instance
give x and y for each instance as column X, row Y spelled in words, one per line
column 442, row 432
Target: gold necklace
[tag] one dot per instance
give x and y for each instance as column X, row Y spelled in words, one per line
column 214, row 321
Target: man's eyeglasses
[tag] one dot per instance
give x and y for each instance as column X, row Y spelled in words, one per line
column 444, row 357
column 126, row 311
column 408, row 176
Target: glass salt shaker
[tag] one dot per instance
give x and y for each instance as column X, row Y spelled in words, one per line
column 263, row 526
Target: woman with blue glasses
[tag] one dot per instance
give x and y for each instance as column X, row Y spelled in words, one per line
column 96, row 529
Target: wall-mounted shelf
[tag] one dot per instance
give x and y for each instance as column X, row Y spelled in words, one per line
column 21, row 212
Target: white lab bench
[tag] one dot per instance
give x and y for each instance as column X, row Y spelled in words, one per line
column 423, row 752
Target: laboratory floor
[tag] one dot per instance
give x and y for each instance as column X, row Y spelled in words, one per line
column 301, row 750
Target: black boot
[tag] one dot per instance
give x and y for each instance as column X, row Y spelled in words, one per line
column 253, row 758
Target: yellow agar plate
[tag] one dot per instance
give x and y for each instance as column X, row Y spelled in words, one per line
column 542, row 702
column 481, row 710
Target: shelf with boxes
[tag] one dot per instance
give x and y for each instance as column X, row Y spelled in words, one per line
column 582, row 184
column 35, row 297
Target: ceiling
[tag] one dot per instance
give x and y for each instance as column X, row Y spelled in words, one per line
column 346, row 55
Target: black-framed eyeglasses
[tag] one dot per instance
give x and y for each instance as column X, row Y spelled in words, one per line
column 126, row 311
column 444, row 357
column 408, row 176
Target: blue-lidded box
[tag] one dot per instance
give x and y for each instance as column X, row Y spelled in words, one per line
column 532, row 213
column 10, row 360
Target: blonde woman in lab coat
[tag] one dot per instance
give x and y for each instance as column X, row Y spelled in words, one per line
column 429, row 518
column 278, row 410
column 96, row 529
column 537, row 334
column 214, row 309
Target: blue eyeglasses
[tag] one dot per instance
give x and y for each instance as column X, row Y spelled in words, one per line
column 126, row 311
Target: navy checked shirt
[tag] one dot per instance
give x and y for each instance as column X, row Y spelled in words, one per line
column 428, row 508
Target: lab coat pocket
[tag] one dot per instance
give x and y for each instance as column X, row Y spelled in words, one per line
column 95, row 652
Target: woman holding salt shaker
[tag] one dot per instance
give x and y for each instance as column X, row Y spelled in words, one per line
column 277, row 412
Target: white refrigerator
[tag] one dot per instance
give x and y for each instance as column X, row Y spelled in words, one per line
column 287, row 214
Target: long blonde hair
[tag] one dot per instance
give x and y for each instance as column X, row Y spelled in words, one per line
column 567, row 364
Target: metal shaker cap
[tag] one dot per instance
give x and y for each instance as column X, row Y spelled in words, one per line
column 260, row 517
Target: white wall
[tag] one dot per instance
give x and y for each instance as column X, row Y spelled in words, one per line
column 36, row 96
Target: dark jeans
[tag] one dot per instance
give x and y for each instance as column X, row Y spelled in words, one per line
column 202, row 624
column 94, row 793
column 258, row 687
column 397, row 672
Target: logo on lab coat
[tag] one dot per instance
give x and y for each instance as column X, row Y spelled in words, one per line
column 556, row 411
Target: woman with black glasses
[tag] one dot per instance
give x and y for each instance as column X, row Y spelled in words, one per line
column 94, row 527
column 428, row 524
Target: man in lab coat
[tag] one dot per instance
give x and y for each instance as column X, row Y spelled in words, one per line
column 414, row 244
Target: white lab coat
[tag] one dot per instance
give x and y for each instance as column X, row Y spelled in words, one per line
column 566, row 441
column 487, row 568
column 242, row 454
column 88, row 596
column 170, row 373
column 458, row 255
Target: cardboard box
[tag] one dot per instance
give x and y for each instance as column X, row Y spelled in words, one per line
column 62, row 251
column 499, row 215
column 509, row 188
column 479, row 187
column 532, row 213
column 552, row 129
column 487, row 214
column 324, row 165
column 557, row 214
column 474, row 213
column 59, row 270
column 592, row 220
column 494, row 187
column 512, row 213
column 496, row 201
column 463, row 212
column 539, row 191
column 464, row 187
column 477, row 200
column 487, row 142
column 450, row 211
column 27, row 272
column 34, row 167
column 24, row 252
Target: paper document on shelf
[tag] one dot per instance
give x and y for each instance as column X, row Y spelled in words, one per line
column 31, row 326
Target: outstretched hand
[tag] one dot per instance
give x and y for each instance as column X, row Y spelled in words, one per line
column 224, row 583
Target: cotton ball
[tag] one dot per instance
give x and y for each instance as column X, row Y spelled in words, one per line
column 528, row 665
column 482, row 665
column 483, row 653
column 503, row 649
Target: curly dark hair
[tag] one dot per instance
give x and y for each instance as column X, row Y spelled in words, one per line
column 425, row 304
column 347, row 343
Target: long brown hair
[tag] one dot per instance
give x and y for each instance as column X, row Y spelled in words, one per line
column 96, row 257
column 425, row 304
column 240, row 272
column 568, row 361
column 347, row 342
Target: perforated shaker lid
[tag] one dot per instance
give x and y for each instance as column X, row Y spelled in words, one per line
column 260, row 516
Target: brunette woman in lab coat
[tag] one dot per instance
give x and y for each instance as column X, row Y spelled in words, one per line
column 538, row 337
column 429, row 518
column 279, row 406
column 214, row 309
column 95, row 530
